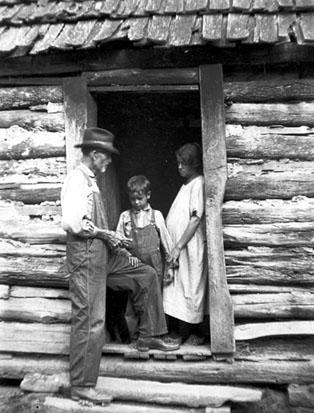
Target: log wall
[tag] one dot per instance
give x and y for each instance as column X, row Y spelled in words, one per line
column 267, row 216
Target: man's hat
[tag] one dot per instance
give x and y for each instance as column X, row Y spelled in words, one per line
column 97, row 138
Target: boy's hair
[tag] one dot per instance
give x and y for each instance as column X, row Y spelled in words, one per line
column 191, row 154
column 138, row 184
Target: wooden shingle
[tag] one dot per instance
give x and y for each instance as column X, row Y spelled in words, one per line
column 181, row 30
column 52, row 32
column 25, row 13
column 265, row 5
column 103, row 30
column 9, row 12
column 173, row 6
column 140, row 10
column 9, row 37
column 212, row 27
column 307, row 26
column 285, row 4
column 63, row 38
column 197, row 31
column 284, row 24
column 108, row 7
column 158, row 29
column 153, row 6
column 122, row 31
column 127, row 8
column 137, row 31
column 219, row 5
column 237, row 28
column 304, row 4
column 27, row 41
column 195, row 6
column 45, row 13
column 80, row 32
column 244, row 5
column 268, row 30
column 250, row 28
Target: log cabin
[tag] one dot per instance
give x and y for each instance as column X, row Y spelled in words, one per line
column 238, row 77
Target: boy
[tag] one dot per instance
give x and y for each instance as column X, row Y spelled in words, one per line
column 146, row 227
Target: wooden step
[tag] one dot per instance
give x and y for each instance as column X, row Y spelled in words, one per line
column 147, row 391
column 61, row 405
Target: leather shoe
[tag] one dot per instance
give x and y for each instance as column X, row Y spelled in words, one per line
column 156, row 343
column 90, row 394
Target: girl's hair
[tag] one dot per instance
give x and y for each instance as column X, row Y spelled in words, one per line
column 139, row 184
column 191, row 154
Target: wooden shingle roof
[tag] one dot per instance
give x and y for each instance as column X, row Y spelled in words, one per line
column 33, row 27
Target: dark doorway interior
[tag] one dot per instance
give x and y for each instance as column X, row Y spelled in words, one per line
column 149, row 128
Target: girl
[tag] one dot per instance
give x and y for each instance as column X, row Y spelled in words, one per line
column 185, row 297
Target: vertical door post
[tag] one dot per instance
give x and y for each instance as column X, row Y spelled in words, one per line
column 215, row 172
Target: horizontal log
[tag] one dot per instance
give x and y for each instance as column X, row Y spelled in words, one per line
column 268, row 372
column 272, row 266
column 248, row 211
column 146, row 391
column 278, row 234
column 47, row 169
column 33, row 192
column 35, row 292
column 258, row 142
column 262, row 180
column 267, row 289
column 266, row 114
column 19, row 143
column 140, row 77
column 269, row 179
column 20, row 212
column 28, row 119
column 283, row 328
column 11, row 248
column 289, row 305
column 4, row 292
column 39, row 266
column 294, row 305
column 38, row 232
column 270, row 90
column 23, row 97
column 41, row 310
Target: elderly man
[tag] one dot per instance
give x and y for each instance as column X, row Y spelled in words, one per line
column 94, row 263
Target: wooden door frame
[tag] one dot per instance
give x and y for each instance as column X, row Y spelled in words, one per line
column 81, row 111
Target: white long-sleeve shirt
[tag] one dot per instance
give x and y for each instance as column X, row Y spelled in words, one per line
column 142, row 218
column 77, row 199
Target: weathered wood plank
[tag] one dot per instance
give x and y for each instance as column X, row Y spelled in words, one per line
column 29, row 119
column 146, row 391
column 268, row 211
column 213, row 136
column 31, row 192
column 44, row 309
column 18, row 143
column 270, row 143
column 289, row 114
column 270, row 90
column 265, row 371
column 38, row 232
column 283, row 328
column 47, row 169
column 278, row 234
column 40, row 310
column 269, row 179
column 295, row 305
column 143, row 76
column 35, row 292
column 76, row 104
column 19, row 211
column 24, row 97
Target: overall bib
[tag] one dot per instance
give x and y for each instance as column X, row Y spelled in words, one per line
column 146, row 245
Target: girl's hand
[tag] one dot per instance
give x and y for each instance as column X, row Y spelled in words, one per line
column 134, row 261
column 175, row 253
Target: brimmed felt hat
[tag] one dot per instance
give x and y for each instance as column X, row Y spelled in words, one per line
column 97, row 138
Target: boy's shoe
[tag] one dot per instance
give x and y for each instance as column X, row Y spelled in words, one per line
column 90, row 394
column 156, row 343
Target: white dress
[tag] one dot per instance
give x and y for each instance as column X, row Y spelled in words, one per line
column 186, row 297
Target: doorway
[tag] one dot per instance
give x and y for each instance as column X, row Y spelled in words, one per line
column 148, row 129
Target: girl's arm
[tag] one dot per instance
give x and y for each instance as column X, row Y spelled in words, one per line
column 186, row 236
